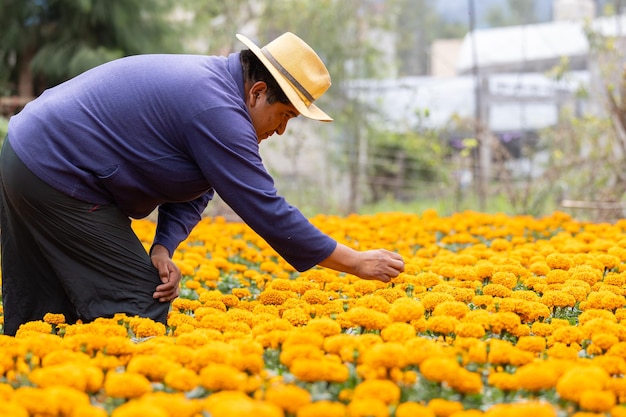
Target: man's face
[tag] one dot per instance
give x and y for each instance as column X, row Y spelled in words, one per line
column 268, row 118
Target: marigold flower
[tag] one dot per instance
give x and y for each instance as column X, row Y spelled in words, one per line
column 312, row 370
column 439, row 369
column 455, row 309
column 523, row 409
column 54, row 318
column 153, row 367
column 443, row 325
column 126, row 385
column 475, row 330
column 222, row 377
column 559, row 261
column 443, row 407
column 536, row 377
column 181, row 379
column 139, row 408
column 432, row 299
column 406, row 310
column 597, row 401
column 386, row 355
column 367, row 407
column 368, row 318
column 413, row 409
column 290, row 398
column 322, row 408
column 398, row 332
column 579, row 379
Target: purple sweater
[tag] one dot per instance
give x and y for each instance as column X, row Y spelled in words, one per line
column 162, row 131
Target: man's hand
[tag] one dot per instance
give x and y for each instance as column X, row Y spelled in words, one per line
column 379, row 264
column 169, row 273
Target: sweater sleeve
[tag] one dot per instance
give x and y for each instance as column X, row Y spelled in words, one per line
column 228, row 154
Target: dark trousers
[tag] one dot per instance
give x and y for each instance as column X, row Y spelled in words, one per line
column 64, row 256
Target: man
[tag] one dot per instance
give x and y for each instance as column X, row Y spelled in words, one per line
column 151, row 131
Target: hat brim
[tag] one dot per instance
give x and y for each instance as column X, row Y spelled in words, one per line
column 311, row 111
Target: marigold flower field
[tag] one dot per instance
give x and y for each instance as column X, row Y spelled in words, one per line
column 495, row 315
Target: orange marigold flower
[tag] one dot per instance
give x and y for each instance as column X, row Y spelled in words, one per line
column 533, row 344
column 412, row 409
column 126, row 385
column 579, row 379
column 455, row 309
column 222, row 377
column 536, row 377
column 504, row 278
column 497, row 290
column 398, row 332
column 406, row 310
column 312, row 370
column 475, row 330
column 367, row 407
column 559, row 261
column 54, row 318
column 386, row 355
column 433, row 299
column 273, row 297
column 597, row 401
column 531, row 408
column 442, row 407
column 290, row 398
column 384, row 390
column 439, row 369
column 181, row 379
column 442, row 325
column 323, row 408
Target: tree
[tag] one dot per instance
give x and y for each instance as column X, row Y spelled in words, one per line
column 45, row 42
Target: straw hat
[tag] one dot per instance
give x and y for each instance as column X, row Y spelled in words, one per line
column 298, row 70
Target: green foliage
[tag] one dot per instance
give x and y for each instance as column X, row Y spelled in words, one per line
column 58, row 39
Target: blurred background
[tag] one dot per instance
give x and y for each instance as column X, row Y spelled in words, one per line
column 513, row 106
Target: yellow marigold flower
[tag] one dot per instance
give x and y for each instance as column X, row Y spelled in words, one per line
column 406, row 310
column 579, row 379
column 296, row 351
column 398, row 332
column 614, row 365
column 241, row 293
column 442, row 407
column 273, row 297
column 82, row 377
column 604, row 341
column 13, row 409
column 144, row 327
column 500, row 245
column 222, row 377
column 290, row 398
column 153, row 367
column 428, row 279
column 33, row 327
column 303, row 336
column 557, row 276
column 413, row 409
column 503, row 322
column 386, row 355
column 126, row 385
column 439, row 369
column 568, row 335
column 503, row 381
column 367, row 318
column 364, row 287
column 604, row 300
column 558, row 299
column 384, row 390
column 443, row 325
column 238, row 404
column 540, row 268
column 586, row 274
column 324, row 326
column 497, row 290
column 609, row 261
column 312, row 370
column 559, row 261
column 466, row 382
column 322, row 408
column 563, row 351
column 536, row 376
column 139, row 408
column 475, row 330
column 368, row 407
column 54, row 318
column 504, row 278
column 482, row 300
column 597, row 401
column 432, row 299
column 455, row 309
column 541, row 329
column 315, row 296
column 181, row 379
column 296, row 316
column 533, row 344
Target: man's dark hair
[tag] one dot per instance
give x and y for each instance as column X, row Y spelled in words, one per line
column 254, row 70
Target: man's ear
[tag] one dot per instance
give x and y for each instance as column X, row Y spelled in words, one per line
column 256, row 90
